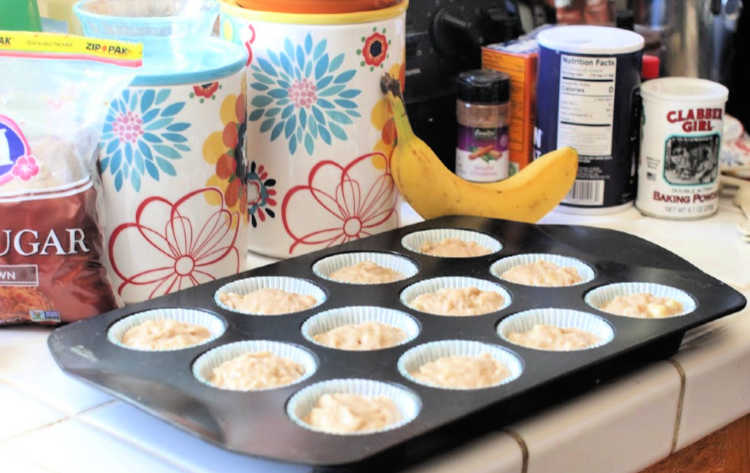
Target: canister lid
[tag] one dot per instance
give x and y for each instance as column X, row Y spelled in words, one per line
column 483, row 86
column 203, row 60
column 587, row 39
column 684, row 89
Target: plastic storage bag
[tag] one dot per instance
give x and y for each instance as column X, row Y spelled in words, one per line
column 54, row 95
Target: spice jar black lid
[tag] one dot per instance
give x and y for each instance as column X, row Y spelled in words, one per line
column 483, row 86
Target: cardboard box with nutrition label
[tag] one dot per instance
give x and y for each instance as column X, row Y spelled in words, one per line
column 518, row 59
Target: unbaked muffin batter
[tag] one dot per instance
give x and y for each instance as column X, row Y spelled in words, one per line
column 166, row 334
column 462, row 372
column 454, row 248
column 549, row 337
column 258, row 370
column 366, row 272
column 268, row 301
column 347, row 413
column 542, row 273
column 364, row 336
column 643, row 306
column 463, row 301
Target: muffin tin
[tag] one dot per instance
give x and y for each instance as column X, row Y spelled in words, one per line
column 259, row 422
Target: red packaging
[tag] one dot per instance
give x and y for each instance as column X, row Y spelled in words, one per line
column 50, row 257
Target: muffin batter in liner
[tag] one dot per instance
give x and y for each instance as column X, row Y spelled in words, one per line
column 331, row 319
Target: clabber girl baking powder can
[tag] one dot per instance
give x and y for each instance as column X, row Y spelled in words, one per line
column 678, row 167
column 588, row 80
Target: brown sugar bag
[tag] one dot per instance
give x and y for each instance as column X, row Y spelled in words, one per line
column 53, row 99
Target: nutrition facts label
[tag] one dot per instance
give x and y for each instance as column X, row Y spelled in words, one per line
column 587, row 102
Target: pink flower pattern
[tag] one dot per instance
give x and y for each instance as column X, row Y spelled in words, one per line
column 128, row 126
column 23, row 165
column 169, row 247
column 25, row 168
column 345, row 210
column 303, row 93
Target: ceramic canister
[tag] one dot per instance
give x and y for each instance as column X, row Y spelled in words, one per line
column 319, row 135
column 174, row 173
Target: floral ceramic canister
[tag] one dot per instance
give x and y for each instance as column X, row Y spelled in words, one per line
column 320, row 135
column 174, row 173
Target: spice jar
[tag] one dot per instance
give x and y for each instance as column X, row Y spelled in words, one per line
column 483, row 111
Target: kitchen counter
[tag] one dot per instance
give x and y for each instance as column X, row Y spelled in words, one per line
column 52, row 423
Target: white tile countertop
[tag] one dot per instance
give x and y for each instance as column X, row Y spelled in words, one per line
column 52, row 423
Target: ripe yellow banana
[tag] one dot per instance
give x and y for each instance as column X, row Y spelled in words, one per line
column 433, row 190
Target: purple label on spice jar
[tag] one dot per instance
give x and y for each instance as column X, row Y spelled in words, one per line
column 482, row 153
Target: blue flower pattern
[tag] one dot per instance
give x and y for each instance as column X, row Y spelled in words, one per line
column 141, row 136
column 302, row 95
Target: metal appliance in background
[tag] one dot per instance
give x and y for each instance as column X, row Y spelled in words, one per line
column 691, row 37
column 444, row 38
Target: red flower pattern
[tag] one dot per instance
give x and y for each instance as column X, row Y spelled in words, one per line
column 348, row 211
column 375, row 49
column 206, row 90
column 173, row 246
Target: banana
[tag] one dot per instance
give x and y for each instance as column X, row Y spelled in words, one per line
column 433, row 190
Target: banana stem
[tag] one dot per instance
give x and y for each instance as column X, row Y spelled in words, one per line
column 400, row 119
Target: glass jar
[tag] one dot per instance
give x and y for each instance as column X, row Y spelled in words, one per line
column 483, row 113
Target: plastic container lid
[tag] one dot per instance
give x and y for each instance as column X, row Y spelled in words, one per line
column 587, row 39
column 483, row 86
column 684, row 89
column 195, row 62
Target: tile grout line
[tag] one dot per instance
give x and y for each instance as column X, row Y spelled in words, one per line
column 93, row 408
column 33, row 429
column 524, row 449
column 20, row 389
column 68, row 416
column 99, row 429
column 680, row 404
column 65, row 418
column 141, row 448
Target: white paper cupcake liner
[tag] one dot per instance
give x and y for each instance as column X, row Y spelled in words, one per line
column 331, row 319
column 324, row 267
column 502, row 265
column 560, row 318
column 414, row 358
column 414, row 241
column 302, row 402
column 204, row 365
column 213, row 323
column 293, row 285
column 602, row 295
column 452, row 282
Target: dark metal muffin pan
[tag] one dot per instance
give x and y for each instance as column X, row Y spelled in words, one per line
column 256, row 423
